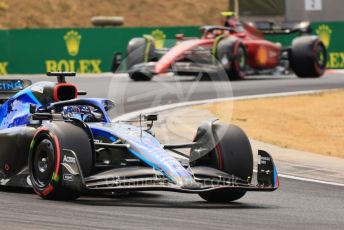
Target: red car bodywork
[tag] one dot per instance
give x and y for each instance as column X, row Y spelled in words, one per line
column 262, row 54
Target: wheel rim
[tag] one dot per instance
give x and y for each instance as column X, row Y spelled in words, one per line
column 241, row 58
column 320, row 55
column 43, row 163
column 224, row 60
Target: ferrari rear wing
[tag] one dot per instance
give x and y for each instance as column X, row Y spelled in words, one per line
column 148, row 179
column 269, row 27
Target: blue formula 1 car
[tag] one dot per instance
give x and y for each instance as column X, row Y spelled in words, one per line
column 64, row 147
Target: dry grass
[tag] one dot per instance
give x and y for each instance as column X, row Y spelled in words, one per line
column 77, row 13
column 312, row 123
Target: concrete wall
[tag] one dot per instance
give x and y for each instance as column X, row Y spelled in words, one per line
column 332, row 10
column 295, row 10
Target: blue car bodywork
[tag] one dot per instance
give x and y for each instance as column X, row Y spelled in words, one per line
column 15, row 112
column 28, row 110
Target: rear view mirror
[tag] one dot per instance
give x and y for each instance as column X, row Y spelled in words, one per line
column 151, row 117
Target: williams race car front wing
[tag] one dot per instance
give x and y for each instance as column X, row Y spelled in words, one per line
column 137, row 178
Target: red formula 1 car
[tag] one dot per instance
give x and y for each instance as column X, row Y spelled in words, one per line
column 237, row 47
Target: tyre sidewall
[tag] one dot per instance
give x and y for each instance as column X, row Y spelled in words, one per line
column 47, row 190
column 234, row 147
column 136, row 51
column 228, row 56
column 64, row 135
column 232, row 154
column 303, row 58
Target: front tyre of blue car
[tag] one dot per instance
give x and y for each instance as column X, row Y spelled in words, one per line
column 232, row 154
column 222, row 196
column 44, row 168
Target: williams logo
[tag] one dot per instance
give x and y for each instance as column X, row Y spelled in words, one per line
column 159, row 38
column 72, row 39
column 324, row 32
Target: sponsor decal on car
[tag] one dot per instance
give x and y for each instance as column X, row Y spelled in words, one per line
column 68, row 177
column 67, row 159
column 37, row 88
column 262, row 160
column 11, row 85
column 262, row 55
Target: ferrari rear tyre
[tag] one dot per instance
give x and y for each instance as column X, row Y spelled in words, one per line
column 233, row 155
column 231, row 54
column 308, row 57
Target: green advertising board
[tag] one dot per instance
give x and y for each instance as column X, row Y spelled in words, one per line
column 332, row 34
column 91, row 50
column 87, row 50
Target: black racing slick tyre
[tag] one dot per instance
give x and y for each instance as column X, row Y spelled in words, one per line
column 308, row 57
column 140, row 75
column 231, row 54
column 233, row 155
column 45, row 158
column 139, row 50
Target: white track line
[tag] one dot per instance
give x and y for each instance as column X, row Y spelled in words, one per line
column 310, row 180
column 335, row 71
column 134, row 114
column 306, row 179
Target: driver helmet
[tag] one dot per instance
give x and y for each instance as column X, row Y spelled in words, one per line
column 231, row 20
column 81, row 112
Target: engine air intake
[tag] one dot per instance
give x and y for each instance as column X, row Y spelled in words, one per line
column 64, row 92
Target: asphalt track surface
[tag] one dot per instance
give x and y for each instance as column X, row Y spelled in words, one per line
column 296, row 205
